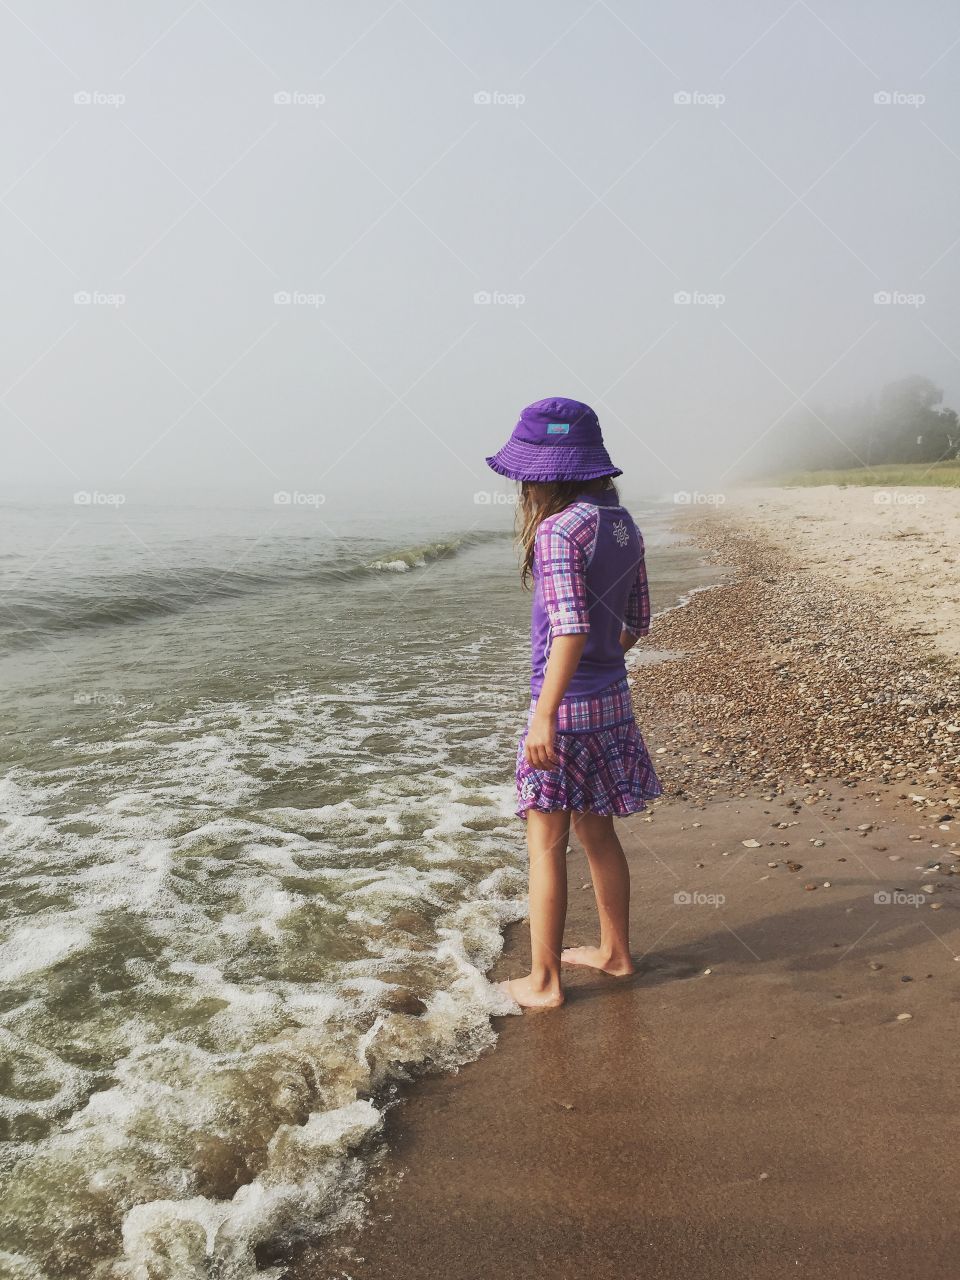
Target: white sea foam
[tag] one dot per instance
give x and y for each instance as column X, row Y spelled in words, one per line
column 38, row 946
column 232, row 1021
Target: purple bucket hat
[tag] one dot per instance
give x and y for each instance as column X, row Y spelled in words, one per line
column 555, row 439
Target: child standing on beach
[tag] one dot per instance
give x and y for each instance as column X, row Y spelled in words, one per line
column 582, row 758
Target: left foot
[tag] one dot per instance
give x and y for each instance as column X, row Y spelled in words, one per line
column 594, row 958
column 529, row 996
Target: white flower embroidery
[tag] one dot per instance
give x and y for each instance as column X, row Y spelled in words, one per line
column 621, row 532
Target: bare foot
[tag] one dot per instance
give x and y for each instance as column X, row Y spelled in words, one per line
column 529, row 996
column 594, row 958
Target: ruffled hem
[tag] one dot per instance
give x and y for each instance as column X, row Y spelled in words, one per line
column 518, row 460
column 606, row 771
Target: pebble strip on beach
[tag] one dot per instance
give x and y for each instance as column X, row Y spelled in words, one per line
column 781, row 677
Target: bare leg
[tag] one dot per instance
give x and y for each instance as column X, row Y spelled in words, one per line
column 547, row 837
column 611, row 884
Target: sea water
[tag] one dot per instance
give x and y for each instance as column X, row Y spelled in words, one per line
column 258, row 848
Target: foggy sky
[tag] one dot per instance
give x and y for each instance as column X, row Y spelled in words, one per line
column 583, row 188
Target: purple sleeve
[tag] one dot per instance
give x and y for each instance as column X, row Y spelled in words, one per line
column 637, row 617
column 561, row 566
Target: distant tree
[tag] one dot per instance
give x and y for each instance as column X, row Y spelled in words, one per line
column 911, row 423
column 905, row 422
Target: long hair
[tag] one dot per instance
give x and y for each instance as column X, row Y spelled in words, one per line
column 539, row 500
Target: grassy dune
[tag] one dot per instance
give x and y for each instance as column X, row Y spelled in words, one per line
column 896, row 473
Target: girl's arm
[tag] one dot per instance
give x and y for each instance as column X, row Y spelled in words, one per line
column 637, row 621
column 564, row 658
column 561, row 568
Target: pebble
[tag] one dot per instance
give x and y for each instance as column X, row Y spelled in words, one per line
column 826, row 884
column 794, row 866
column 750, row 844
column 773, row 864
column 809, row 886
column 818, row 844
column 822, row 680
column 875, row 964
column 904, row 1017
column 400, row 1000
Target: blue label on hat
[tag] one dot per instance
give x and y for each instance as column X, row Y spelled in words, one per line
column 558, row 428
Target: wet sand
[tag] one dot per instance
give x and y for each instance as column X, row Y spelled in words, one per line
column 778, row 1115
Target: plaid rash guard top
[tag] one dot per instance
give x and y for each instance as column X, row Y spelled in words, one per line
column 589, row 578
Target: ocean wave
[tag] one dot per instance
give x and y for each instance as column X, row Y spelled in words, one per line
column 216, row 990
column 127, row 597
column 418, row 557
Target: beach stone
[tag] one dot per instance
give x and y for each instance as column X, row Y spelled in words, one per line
column 875, row 964
column 809, row 886
column 904, row 1017
column 794, row 866
column 402, row 1000
column 750, row 844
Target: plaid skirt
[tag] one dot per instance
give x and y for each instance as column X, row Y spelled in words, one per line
column 604, row 767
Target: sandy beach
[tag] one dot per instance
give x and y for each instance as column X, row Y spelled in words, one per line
column 900, row 544
column 766, row 1096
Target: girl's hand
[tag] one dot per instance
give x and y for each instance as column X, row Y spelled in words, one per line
column 540, row 746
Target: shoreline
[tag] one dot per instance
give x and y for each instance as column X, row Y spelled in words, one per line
column 767, row 1116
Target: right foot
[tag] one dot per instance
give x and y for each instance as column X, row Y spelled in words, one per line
column 594, row 958
column 530, row 996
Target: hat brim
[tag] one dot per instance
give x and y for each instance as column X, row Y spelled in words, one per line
column 518, row 460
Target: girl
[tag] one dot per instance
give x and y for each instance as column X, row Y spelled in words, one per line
column 582, row 756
